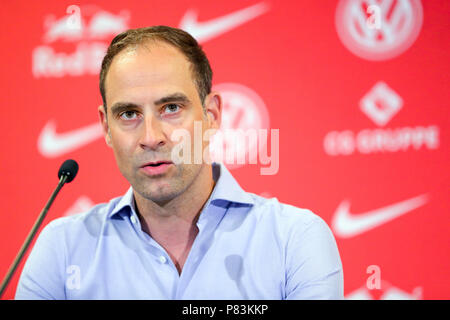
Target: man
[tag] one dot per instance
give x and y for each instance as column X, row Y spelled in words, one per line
column 184, row 230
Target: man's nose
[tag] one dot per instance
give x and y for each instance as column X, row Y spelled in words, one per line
column 152, row 136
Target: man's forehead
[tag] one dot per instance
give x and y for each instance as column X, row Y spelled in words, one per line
column 156, row 65
column 150, row 61
column 150, row 58
column 151, row 50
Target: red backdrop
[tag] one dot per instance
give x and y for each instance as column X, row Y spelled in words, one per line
column 358, row 91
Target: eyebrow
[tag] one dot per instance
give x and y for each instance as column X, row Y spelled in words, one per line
column 119, row 107
column 174, row 97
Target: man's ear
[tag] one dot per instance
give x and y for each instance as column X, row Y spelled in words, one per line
column 213, row 108
column 104, row 123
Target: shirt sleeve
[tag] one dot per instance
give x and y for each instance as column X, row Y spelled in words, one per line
column 42, row 275
column 313, row 265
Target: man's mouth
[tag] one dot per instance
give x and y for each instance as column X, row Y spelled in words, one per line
column 156, row 163
column 156, row 167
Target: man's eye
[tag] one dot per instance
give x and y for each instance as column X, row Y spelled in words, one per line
column 171, row 108
column 128, row 115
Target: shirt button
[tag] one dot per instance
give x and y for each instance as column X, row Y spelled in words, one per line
column 133, row 219
column 162, row 259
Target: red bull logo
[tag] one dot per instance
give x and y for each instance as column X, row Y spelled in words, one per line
column 73, row 27
column 87, row 27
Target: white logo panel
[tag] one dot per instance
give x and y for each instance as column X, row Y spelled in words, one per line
column 381, row 103
column 243, row 110
column 398, row 25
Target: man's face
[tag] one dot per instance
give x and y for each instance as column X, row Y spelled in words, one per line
column 150, row 92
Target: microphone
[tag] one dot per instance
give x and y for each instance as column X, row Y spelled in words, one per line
column 69, row 168
column 66, row 173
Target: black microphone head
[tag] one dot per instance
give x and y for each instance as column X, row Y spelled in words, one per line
column 69, row 168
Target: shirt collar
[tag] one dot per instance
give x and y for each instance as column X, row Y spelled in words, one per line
column 127, row 201
column 226, row 188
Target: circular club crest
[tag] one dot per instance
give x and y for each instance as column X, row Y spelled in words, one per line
column 378, row 30
column 244, row 114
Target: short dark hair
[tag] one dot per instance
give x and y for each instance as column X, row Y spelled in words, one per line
column 200, row 67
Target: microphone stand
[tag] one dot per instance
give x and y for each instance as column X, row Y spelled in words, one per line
column 31, row 235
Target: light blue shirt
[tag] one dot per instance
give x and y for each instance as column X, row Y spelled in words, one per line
column 248, row 247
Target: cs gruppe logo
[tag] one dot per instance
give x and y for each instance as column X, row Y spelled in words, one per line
column 380, row 104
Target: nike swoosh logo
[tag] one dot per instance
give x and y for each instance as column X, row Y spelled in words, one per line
column 204, row 31
column 52, row 144
column 346, row 224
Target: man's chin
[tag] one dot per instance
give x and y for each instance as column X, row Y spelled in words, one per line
column 163, row 189
column 159, row 195
column 161, row 198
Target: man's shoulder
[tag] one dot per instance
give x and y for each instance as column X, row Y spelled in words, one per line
column 88, row 220
column 284, row 214
column 300, row 230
